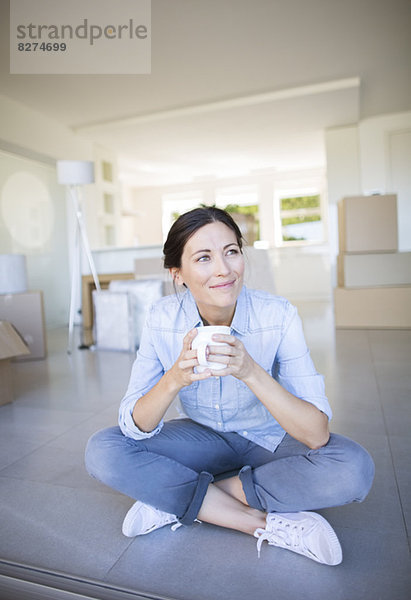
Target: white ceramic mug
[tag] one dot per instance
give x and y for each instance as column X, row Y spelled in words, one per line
column 204, row 339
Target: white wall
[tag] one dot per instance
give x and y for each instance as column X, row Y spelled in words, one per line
column 33, row 223
column 147, row 207
column 343, row 162
column 371, row 157
column 385, row 159
column 34, row 131
column 39, row 224
column 400, row 181
column 343, row 178
column 303, row 274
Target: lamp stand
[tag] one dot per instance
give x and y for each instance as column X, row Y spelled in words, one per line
column 80, row 241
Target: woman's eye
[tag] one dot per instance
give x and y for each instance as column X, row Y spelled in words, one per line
column 232, row 251
column 203, row 258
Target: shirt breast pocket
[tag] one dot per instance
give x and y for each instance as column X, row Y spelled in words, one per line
column 250, row 407
column 188, row 395
column 208, row 403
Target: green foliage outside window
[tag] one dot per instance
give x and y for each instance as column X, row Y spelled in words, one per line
column 300, row 202
column 252, row 231
column 291, row 238
column 298, row 210
column 251, row 209
column 305, row 219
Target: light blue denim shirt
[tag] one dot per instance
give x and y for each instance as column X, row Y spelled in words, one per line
column 272, row 334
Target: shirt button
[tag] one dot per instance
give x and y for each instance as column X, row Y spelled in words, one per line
column 217, row 406
column 245, row 432
column 219, row 423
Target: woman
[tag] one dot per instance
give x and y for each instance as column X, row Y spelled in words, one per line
column 254, row 453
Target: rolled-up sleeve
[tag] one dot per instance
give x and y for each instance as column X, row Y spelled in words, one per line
column 146, row 372
column 294, row 368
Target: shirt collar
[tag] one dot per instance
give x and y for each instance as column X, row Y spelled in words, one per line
column 192, row 315
column 240, row 319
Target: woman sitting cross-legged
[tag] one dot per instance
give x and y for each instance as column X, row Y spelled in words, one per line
column 254, row 452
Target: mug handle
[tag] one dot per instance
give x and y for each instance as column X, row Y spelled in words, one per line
column 202, row 354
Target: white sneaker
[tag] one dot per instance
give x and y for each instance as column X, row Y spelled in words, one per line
column 143, row 518
column 306, row 533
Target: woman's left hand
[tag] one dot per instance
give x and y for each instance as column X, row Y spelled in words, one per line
column 233, row 354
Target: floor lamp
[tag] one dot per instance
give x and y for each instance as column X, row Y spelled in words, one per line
column 73, row 174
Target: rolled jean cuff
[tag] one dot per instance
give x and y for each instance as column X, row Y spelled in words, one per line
column 204, row 479
column 246, row 478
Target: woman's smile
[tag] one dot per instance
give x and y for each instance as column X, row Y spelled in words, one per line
column 225, row 285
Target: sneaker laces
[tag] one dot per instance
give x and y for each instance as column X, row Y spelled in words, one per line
column 178, row 524
column 284, row 535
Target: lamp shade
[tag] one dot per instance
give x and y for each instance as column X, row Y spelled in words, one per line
column 75, row 172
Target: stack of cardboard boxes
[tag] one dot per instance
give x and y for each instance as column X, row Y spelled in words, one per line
column 22, row 331
column 25, row 311
column 374, row 278
column 11, row 346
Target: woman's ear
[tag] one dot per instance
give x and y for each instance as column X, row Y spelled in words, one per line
column 176, row 276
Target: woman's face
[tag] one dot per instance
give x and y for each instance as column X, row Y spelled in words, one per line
column 212, row 267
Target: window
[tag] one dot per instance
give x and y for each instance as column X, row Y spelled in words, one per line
column 107, row 171
column 300, row 219
column 177, row 203
column 109, row 204
column 242, row 203
column 109, row 235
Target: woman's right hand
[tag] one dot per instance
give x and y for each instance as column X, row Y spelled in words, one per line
column 151, row 408
column 183, row 369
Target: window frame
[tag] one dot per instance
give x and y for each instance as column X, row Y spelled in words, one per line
column 297, row 192
column 178, row 202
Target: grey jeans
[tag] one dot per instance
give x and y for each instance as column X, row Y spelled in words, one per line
column 172, row 470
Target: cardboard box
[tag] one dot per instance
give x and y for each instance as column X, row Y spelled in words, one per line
column 11, row 345
column 153, row 268
column 147, row 267
column 373, row 308
column 368, row 224
column 113, row 322
column 25, row 311
column 87, row 288
column 142, row 294
column 371, row 270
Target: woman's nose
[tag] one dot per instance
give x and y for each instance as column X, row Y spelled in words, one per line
column 221, row 267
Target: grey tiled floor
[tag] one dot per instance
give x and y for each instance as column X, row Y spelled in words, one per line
column 55, row 518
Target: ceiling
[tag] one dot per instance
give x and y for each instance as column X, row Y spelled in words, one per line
column 235, row 86
column 230, row 138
